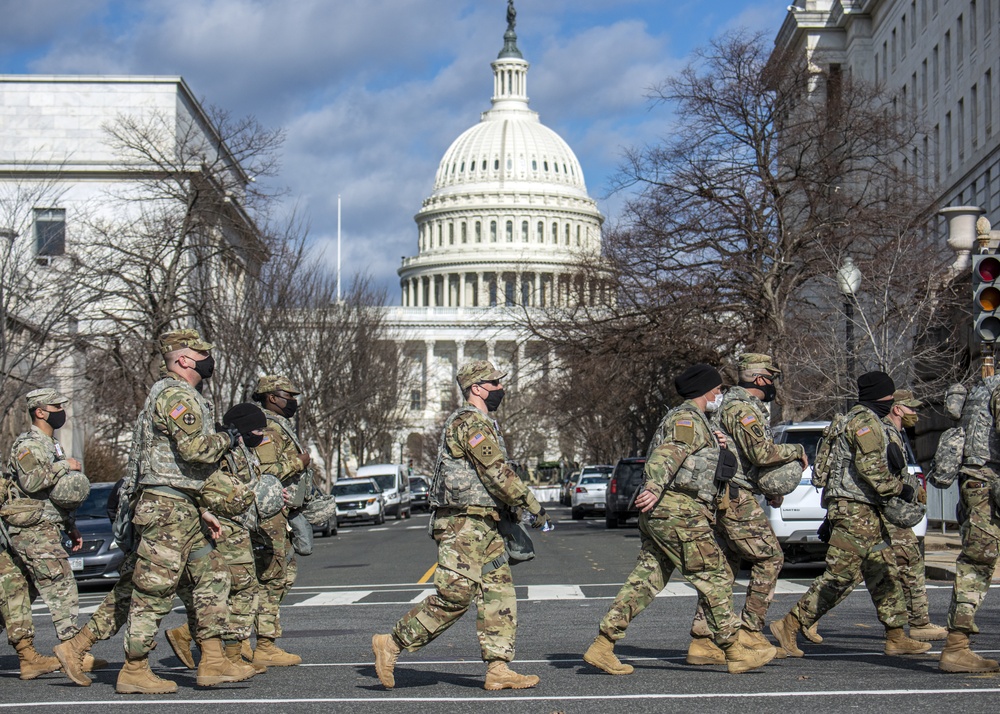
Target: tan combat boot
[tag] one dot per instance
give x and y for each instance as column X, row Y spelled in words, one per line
column 34, row 664
column 386, row 653
column 785, row 631
column 246, row 651
column 601, row 654
column 703, row 650
column 756, row 641
column 270, row 655
column 71, row 654
column 233, row 655
column 137, row 678
column 928, row 632
column 956, row 657
column 897, row 643
column 740, row 658
column 180, row 641
column 214, row 668
column 811, row 633
column 500, row 676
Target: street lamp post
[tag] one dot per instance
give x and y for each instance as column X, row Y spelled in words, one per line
column 849, row 280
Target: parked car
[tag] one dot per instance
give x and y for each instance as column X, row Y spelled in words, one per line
column 588, row 495
column 100, row 557
column 619, row 500
column 566, row 489
column 419, row 493
column 359, row 499
column 395, row 485
column 801, row 512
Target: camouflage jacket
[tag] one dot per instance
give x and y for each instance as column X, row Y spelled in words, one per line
column 228, row 492
column 279, row 456
column 182, row 448
column 743, row 419
column 865, row 475
column 684, row 432
column 474, row 438
column 36, row 463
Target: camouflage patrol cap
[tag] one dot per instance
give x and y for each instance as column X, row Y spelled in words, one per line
column 270, row 383
column 906, row 398
column 179, row 339
column 43, row 397
column 757, row 363
column 477, row 371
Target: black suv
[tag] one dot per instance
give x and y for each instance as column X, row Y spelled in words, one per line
column 619, row 500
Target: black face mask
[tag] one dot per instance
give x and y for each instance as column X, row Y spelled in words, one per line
column 493, row 399
column 252, row 440
column 291, row 406
column 205, row 367
column 881, row 409
column 769, row 390
column 56, row 419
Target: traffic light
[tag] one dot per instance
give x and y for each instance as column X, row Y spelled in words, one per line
column 986, row 296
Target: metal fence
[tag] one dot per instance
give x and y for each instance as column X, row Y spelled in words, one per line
column 941, row 508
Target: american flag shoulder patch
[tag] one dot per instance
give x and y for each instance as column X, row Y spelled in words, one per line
column 22, row 453
column 685, row 422
column 266, row 439
column 476, row 439
column 863, row 430
column 748, row 420
column 177, row 411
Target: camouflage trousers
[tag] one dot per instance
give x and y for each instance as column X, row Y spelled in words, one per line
column 171, row 543
column 15, row 600
column 275, row 571
column 912, row 578
column 684, row 541
column 746, row 534
column 46, row 565
column 112, row 614
column 857, row 550
column 465, row 544
column 980, row 550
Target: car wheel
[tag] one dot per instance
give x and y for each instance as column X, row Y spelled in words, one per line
column 326, row 530
column 611, row 521
column 409, row 512
column 399, row 512
column 577, row 514
column 336, row 525
column 381, row 518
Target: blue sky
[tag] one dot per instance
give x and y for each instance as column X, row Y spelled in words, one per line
column 372, row 92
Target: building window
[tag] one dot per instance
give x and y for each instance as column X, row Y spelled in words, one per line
column 947, row 55
column 974, row 106
column 923, row 82
column 50, row 231
column 541, row 232
column 578, row 236
column 509, row 233
column 567, row 234
column 493, row 231
column 913, row 22
column 451, row 234
column 479, row 232
column 465, row 233
column 988, row 103
column 524, row 231
column 961, row 130
column 555, row 233
column 936, row 69
column 416, row 400
column 960, row 41
column 947, row 142
column 972, row 24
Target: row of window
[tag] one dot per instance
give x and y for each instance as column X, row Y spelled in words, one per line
column 49, row 232
column 434, row 235
column 476, row 166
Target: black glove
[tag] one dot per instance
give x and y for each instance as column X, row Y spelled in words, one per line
column 234, row 434
column 908, row 493
column 825, row 531
column 727, row 467
column 541, row 518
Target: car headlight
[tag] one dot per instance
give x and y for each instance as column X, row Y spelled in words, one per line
column 371, row 501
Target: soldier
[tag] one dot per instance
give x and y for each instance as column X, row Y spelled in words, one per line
column 678, row 504
column 980, row 527
column 859, row 483
column 33, row 520
column 282, row 455
column 179, row 450
column 15, row 615
column 743, row 528
column 471, row 487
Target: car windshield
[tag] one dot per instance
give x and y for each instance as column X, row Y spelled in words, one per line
column 808, row 438
column 385, row 481
column 353, row 489
column 418, row 484
column 599, row 470
column 96, row 505
column 595, row 479
column 631, row 471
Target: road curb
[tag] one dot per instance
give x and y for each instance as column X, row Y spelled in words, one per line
column 939, row 572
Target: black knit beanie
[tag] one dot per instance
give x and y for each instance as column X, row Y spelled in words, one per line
column 697, row 380
column 873, row 386
column 246, row 417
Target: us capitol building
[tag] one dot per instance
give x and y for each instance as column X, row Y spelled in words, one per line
column 507, row 223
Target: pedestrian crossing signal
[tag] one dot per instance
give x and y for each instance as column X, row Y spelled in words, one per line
column 986, row 297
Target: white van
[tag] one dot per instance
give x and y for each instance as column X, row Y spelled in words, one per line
column 395, row 485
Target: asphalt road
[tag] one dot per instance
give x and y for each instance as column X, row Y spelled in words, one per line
column 361, row 581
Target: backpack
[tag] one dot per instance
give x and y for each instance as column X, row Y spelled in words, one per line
column 828, row 457
column 947, row 458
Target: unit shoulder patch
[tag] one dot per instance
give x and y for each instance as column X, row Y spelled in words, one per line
column 485, row 450
column 184, row 415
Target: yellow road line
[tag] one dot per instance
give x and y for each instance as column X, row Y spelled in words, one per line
column 428, row 575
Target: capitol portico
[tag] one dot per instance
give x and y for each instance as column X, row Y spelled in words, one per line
column 506, row 227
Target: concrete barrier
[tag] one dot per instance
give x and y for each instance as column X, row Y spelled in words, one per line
column 546, row 495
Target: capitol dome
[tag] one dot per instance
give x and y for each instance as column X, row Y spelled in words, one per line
column 509, row 220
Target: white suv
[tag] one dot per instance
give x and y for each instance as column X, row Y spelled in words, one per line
column 801, row 513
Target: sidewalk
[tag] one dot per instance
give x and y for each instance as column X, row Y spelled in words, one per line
column 940, row 552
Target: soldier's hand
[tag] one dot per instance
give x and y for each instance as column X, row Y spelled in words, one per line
column 286, row 497
column 305, row 458
column 234, row 434
column 722, row 439
column 214, row 527
column 76, row 538
column 908, row 494
column 921, row 495
column 775, row 501
column 74, row 464
column 646, row 500
column 541, row 518
column 805, row 461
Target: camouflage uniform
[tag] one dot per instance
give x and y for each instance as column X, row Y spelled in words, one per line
column 182, row 453
column 468, row 539
column 37, row 462
column 742, row 528
column 678, row 533
column 15, row 600
column 858, row 545
column 112, row 614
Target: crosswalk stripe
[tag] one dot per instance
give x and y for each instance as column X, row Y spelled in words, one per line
column 786, row 587
column 555, row 592
column 677, row 590
column 422, row 594
column 348, row 597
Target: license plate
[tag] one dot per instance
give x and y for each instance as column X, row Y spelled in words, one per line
column 76, row 564
column 352, row 514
